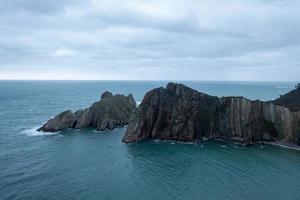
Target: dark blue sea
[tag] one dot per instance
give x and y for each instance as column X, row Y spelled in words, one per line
column 86, row 164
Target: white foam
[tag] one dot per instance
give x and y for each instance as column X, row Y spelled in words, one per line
column 33, row 132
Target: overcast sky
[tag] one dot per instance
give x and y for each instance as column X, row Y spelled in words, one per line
column 144, row 39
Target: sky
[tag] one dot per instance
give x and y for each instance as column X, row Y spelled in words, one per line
column 220, row 40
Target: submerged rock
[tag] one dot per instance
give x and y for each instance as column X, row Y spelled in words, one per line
column 110, row 112
column 181, row 113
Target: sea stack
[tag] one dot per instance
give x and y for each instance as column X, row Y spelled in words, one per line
column 178, row 112
column 110, row 112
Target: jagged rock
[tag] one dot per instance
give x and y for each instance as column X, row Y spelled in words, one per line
column 66, row 119
column 290, row 99
column 181, row 113
column 177, row 113
column 110, row 112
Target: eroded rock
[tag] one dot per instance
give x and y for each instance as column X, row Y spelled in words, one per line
column 181, row 113
column 110, row 112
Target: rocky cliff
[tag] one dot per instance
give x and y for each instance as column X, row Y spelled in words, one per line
column 181, row 113
column 110, row 112
column 290, row 99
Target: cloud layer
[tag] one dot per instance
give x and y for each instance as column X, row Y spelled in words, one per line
column 150, row 39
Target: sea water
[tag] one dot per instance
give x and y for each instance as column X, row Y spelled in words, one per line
column 86, row 164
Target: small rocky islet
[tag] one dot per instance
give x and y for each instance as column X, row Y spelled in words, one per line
column 112, row 111
column 178, row 112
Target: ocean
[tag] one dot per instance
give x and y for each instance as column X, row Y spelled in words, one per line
column 86, row 164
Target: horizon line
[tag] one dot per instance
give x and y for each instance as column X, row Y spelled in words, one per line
column 154, row 80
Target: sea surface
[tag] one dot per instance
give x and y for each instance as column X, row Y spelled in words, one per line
column 86, row 164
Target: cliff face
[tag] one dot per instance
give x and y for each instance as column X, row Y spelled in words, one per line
column 252, row 121
column 110, row 112
column 176, row 112
column 181, row 113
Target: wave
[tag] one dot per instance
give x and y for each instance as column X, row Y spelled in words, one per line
column 282, row 87
column 33, row 132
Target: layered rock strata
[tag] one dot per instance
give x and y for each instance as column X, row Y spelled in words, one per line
column 110, row 112
column 180, row 113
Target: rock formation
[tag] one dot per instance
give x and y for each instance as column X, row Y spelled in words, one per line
column 181, row 113
column 110, row 112
column 290, row 99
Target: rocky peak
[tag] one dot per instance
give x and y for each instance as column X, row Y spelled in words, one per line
column 106, row 94
column 110, row 112
column 131, row 99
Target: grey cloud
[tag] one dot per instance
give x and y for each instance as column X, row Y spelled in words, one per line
column 207, row 39
column 35, row 6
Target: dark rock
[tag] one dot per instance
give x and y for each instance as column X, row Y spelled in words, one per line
column 106, row 94
column 110, row 112
column 64, row 120
column 175, row 112
column 181, row 113
column 291, row 99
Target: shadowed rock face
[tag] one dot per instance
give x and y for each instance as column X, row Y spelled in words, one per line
column 110, row 112
column 290, row 100
column 181, row 113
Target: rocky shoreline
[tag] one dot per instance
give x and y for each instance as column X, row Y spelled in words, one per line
column 282, row 145
column 180, row 113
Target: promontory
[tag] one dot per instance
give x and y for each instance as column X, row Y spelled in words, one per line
column 178, row 112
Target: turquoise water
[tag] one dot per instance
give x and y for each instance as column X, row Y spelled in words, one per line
column 85, row 164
